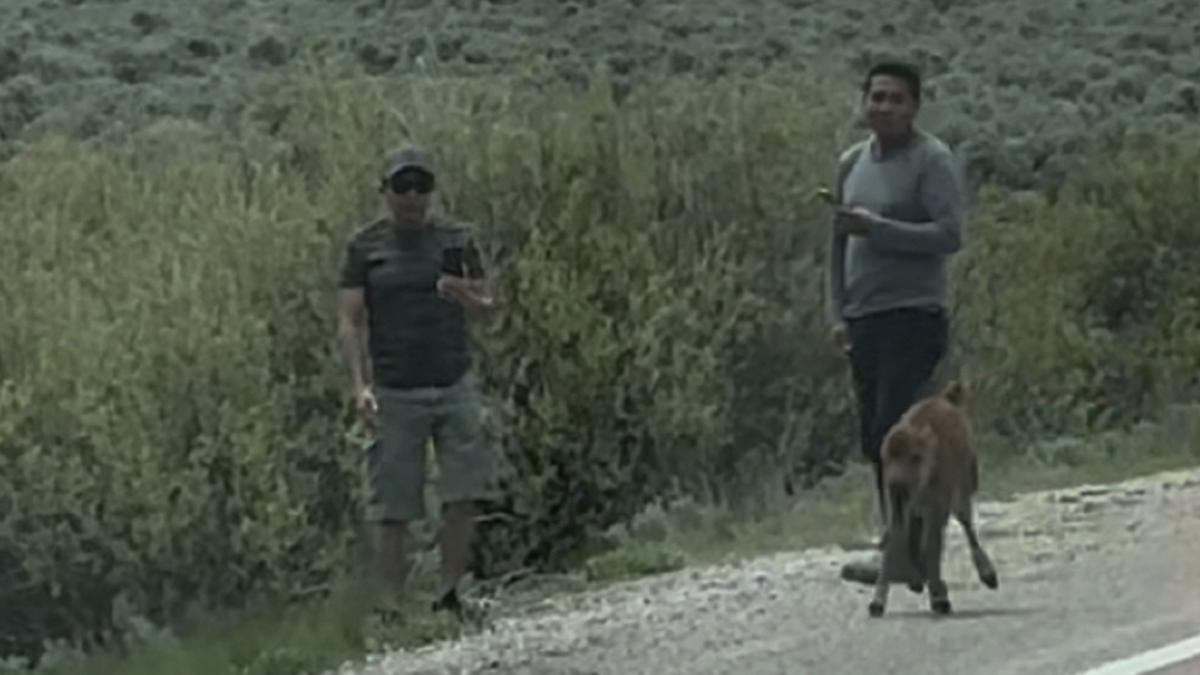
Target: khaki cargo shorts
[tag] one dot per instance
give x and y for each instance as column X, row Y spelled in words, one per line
column 408, row 419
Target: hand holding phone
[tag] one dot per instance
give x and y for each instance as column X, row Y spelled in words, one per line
column 452, row 261
column 463, row 262
column 462, row 280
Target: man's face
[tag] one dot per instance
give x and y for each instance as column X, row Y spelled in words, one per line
column 407, row 196
column 889, row 106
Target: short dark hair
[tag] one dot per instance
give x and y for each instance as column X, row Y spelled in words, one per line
column 899, row 70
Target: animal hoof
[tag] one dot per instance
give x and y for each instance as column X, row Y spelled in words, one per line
column 916, row 587
column 941, row 606
column 990, row 580
column 875, row 609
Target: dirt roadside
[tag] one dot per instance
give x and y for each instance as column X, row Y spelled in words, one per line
column 1088, row 574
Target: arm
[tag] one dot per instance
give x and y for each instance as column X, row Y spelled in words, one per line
column 481, row 279
column 944, row 196
column 352, row 315
column 352, row 332
column 472, row 286
column 835, row 278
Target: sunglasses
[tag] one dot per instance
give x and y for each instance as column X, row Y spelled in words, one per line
column 407, row 181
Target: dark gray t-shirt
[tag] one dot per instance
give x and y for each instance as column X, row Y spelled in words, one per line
column 415, row 338
column 922, row 198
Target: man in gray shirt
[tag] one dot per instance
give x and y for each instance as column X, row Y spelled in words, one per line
column 901, row 203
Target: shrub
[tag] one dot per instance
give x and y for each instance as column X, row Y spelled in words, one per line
column 173, row 422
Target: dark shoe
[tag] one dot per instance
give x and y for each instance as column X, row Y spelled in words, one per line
column 465, row 611
column 863, row 572
column 449, row 602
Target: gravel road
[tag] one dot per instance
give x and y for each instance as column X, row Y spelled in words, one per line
column 1087, row 575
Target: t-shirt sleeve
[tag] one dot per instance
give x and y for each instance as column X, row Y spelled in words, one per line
column 354, row 266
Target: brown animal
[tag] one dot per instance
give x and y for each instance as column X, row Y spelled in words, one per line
column 930, row 472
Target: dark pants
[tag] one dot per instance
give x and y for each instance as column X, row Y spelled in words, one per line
column 892, row 356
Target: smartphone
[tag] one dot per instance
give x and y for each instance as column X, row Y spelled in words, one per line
column 461, row 261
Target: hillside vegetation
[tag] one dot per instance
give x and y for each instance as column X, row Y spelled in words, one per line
column 174, row 429
column 1016, row 85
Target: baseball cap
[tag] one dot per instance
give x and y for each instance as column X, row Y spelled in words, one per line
column 408, row 157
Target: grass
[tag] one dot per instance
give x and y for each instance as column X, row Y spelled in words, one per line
column 317, row 637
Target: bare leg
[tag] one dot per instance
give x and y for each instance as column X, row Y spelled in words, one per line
column 964, row 514
column 392, row 561
column 457, row 534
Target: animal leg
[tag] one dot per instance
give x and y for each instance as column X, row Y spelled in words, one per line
column 964, row 514
column 939, row 594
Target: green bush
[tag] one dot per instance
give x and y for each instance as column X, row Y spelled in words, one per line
column 173, row 422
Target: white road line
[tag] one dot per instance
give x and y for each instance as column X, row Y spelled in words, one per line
column 1148, row 662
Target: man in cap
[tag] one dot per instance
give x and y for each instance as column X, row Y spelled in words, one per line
column 407, row 283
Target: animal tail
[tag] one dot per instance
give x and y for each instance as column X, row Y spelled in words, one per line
column 955, row 392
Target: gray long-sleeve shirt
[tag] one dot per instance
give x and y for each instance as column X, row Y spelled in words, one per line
column 920, row 195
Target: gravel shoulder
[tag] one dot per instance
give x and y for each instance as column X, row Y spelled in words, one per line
column 1088, row 574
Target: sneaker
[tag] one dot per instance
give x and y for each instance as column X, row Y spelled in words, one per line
column 864, row 572
column 449, row 602
column 467, row 611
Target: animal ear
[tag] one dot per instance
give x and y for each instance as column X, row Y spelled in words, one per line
column 955, row 392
